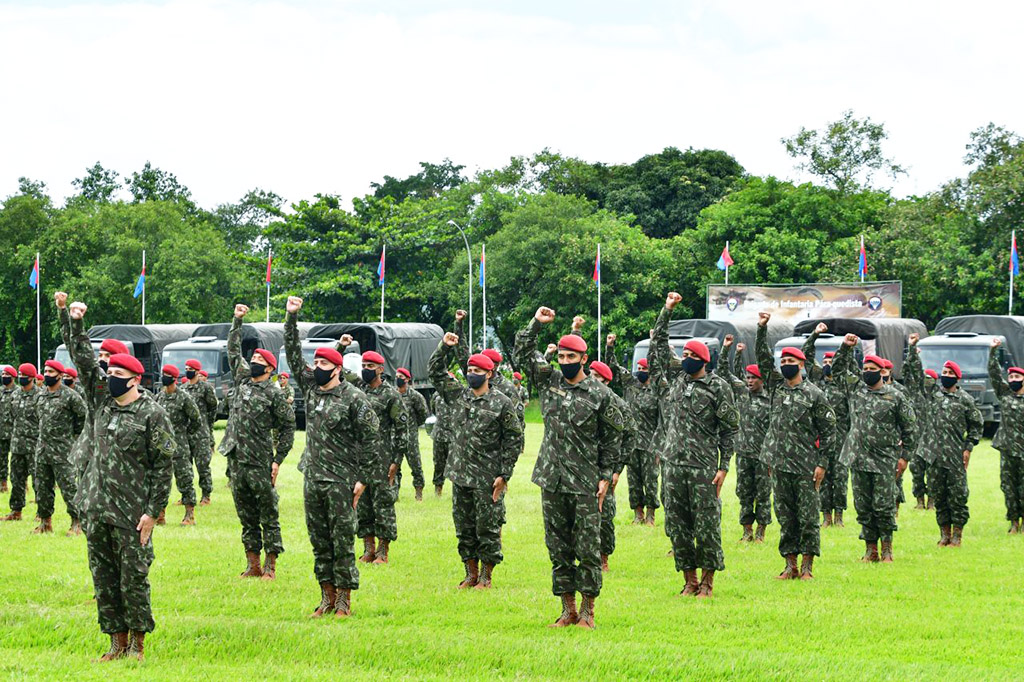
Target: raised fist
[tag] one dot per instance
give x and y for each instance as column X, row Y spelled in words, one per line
column 451, row 339
column 610, row 340
column 728, row 341
column 914, row 338
column 672, row 299
column 61, row 299
column 345, row 340
column 740, row 347
column 762, row 319
column 241, row 310
column 578, row 322
column 851, row 340
column 544, row 315
column 460, row 315
column 294, row 304
column 77, row 310
column 551, row 349
column 996, row 341
column 820, row 328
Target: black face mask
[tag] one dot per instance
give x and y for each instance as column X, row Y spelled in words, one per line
column 369, row 375
column 570, row 370
column 51, row 381
column 24, row 381
column 7, row 380
column 1016, row 385
column 826, row 370
column 692, row 365
column 166, row 380
column 642, row 377
column 790, row 371
column 888, row 379
column 117, row 386
column 475, row 381
column 103, row 365
column 191, row 374
column 257, row 370
column 400, row 381
column 322, row 376
column 948, row 382
column 871, row 378
column 69, row 382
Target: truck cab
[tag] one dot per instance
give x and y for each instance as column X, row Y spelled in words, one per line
column 676, row 343
column 351, row 359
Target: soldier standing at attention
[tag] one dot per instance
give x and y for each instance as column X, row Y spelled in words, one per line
column 24, row 434
column 62, row 416
column 205, row 398
column 582, row 435
column 1009, row 440
column 70, row 379
column 416, row 407
column 188, row 425
column 341, row 444
column 8, row 379
column 284, row 381
column 801, row 436
column 259, row 435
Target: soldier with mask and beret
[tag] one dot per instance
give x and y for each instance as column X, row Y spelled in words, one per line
column 416, row 408
column 24, row 434
column 1009, row 440
column 8, row 384
column 205, row 398
column 188, row 427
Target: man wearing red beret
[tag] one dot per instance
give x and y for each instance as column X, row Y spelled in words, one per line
column 62, row 416
column 24, row 434
column 1009, row 440
column 259, row 435
column 582, row 436
column 8, row 382
column 922, row 387
column 416, row 407
column 188, row 428
column 205, row 398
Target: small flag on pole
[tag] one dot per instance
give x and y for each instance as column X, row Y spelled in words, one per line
column 33, row 278
column 862, row 269
column 597, row 267
column 140, row 286
column 483, row 265
column 725, row 260
column 380, row 267
column 1014, row 261
column 269, row 258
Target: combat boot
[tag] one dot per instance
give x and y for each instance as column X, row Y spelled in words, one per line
column 252, row 570
column 368, row 550
column 870, row 553
column 118, row 647
column 791, row 572
column 638, row 516
column 707, row 583
column 343, row 604
column 13, row 516
column 438, row 489
column 162, row 519
column 945, row 538
column 190, row 517
column 269, row 566
column 569, row 615
column 604, row 563
column 472, row 574
column 759, row 534
column 485, row 576
column 748, row 533
column 419, row 494
column 806, row 566
column 828, row 520
column 691, row 588
column 887, row 557
column 327, row 596
column 1014, row 527
column 958, row 536
column 931, row 503
column 137, row 646
column 838, row 520
column 205, row 502
column 586, row 615
column 649, row 520
column 75, row 529
column 920, row 503
column 45, row 526
column 381, row 556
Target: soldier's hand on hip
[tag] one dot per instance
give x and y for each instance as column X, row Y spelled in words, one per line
column 602, row 492
column 544, row 315
column 61, row 299
column 294, row 304
column 498, row 489
column 145, row 528
column 718, row 480
column 392, row 470
column 819, row 476
column 274, row 468
column 357, row 492
column 241, row 310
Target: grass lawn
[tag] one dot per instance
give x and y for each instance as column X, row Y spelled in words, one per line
column 936, row 613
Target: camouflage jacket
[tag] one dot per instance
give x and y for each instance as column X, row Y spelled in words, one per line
column 442, row 412
column 91, row 376
column 288, row 391
column 342, row 430
column 925, row 394
column 1009, row 439
column 630, row 435
column 62, row 416
column 205, row 398
column 127, row 472
column 882, row 427
column 754, row 409
column 261, row 428
column 416, row 408
column 836, row 385
column 486, row 435
column 25, row 420
column 185, row 419
column 582, row 424
column 701, row 417
column 802, row 430
column 641, row 398
column 6, row 426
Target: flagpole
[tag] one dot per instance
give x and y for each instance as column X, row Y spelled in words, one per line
column 269, row 254
column 1013, row 241
column 727, row 264
column 383, row 251
column 143, row 287
column 483, row 279
column 599, row 344
column 39, row 344
column 860, row 265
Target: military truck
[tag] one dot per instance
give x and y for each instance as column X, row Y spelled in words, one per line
column 884, row 336
column 309, row 346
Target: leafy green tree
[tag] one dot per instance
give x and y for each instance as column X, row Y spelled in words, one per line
column 432, row 180
column 98, row 184
column 154, row 184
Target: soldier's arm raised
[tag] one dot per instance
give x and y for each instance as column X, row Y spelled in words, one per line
column 660, row 354
column 619, row 373
column 293, row 346
column 765, row 360
column 239, row 367
column 525, row 351
column 810, row 352
column 995, row 373
column 448, row 389
column 462, row 349
column 913, row 371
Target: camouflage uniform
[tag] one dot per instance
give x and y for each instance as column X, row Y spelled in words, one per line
column 925, row 396
column 24, row 434
column 188, row 424
column 416, row 408
column 753, row 472
column 259, row 413
column 62, row 416
column 342, row 433
column 288, row 391
column 486, row 442
column 700, row 430
column 1009, row 440
column 643, row 402
column 836, row 387
column 883, row 428
column 801, row 436
column 628, row 448
column 582, row 437
column 205, row 398
column 442, row 437
column 6, row 393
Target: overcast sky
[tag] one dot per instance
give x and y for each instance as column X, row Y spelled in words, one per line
column 306, row 97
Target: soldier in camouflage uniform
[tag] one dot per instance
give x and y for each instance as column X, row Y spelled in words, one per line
column 889, row 379
column 416, row 407
column 642, row 399
column 24, row 434
column 753, row 471
column 486, row 442
column 524, row 396
column 701, row 426
column 70, row 379
column 205, row 398
column 188, row 428
column 1009, row 440
column 9, row 380
column 923, row 389
column 441, row 435
column 342, row 433
column 377, row 520
column 126, row 480
column 62, row 416
column 882, row 429
column 285, row 383
column 800, row 440
column 259, row 435
column 582, row 436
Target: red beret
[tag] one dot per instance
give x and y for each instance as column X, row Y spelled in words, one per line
column 406, row 373
column 39, row 377
column 125, row 361
column 517, row 376
column 642, row 363
column 183, row 380
column 792, row 352
column 371, row 356
column 494, row 355
column 955, row 367
column 53, row 364
column 71, row 372
column 1015, row 370
column 698, row 349
column 753, row 369
column 286, row 375
column 27, row 369
column 887, row 364
column 204, row 373
column 170, row 370
column 932, row 373
column 192, row 363
column 830, row 354
column 10, row 370
column 574, row 343
column 327, row 353
column 875, row 359
column 113, row 346
column 268, row 356
column 602, row 369
column 482, row 361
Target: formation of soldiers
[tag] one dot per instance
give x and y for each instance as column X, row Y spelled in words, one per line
column 800, row 432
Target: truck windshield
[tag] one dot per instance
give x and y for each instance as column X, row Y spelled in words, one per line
column 211, row 359
column 973, row 360
column 282, row 360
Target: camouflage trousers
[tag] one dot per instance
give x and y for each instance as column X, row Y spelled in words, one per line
column 183, row 476
column 377, row 512
column 693, row 518
column 5, row 449
column 754, row 489
column 608, row 509
column 1011, row 481
column 477, row 524
column 441, row 448
column 415, row 463
column 798, row 512
column 919, row 470
column 833, row 486
column 202, row 460
column 256, row 505
column 874, row 498
column 120, row 576
column 643, row 479
column 948, row 488
column 331, row 523
column 22, row 464
column 572, row 533
column 54, row 470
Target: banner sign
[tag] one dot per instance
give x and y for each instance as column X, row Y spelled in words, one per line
column 796, row 302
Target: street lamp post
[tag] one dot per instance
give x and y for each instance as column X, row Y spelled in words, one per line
column 469, row 283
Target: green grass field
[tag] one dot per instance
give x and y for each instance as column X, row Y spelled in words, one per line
column 935, row 613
